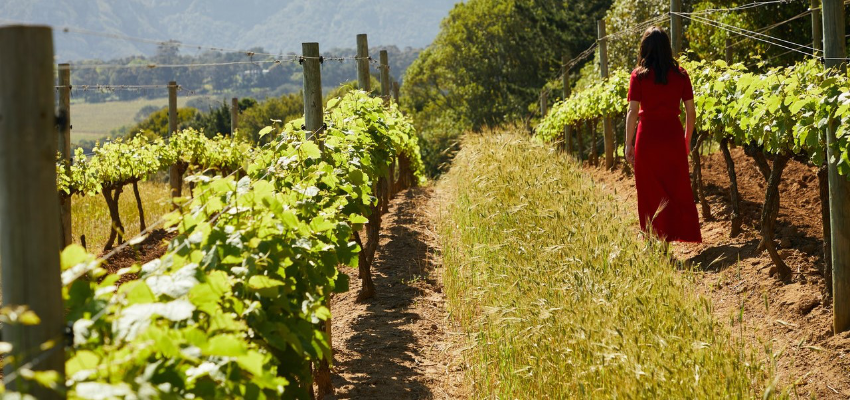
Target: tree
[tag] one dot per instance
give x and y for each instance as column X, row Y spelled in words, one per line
column 488, row 62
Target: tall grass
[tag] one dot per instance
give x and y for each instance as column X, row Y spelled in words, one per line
column 90, row 216
column 559, row 296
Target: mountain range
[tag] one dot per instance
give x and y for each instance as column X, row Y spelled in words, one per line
column 275, row 25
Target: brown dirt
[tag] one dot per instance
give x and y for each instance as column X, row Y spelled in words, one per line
column 791, row 318
column 398, row 344
column 153, row 247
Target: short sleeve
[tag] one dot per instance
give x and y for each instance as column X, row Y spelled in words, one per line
column 634, row 88
column 688, row 89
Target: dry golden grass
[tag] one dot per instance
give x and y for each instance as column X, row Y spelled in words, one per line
column 559, row 297
column 90, row 216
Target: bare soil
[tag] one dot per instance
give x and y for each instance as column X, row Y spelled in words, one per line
column 791, row 320
column 399, row 344
column 153, row 247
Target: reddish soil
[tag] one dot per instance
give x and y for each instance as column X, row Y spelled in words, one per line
column 151, row 248
column 791, row 318
column 398, row 344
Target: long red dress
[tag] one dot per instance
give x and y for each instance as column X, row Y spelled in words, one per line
column 661, row 161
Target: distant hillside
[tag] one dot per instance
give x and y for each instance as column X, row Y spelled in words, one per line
column 276, row 25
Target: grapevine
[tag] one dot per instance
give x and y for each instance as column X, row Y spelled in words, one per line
column 232, row 309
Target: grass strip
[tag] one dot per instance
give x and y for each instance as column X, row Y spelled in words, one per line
column 560, row 297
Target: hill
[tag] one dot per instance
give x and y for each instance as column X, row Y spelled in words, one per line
column 276, row 25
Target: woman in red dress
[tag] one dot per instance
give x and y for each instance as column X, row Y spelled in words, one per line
column 660, row 156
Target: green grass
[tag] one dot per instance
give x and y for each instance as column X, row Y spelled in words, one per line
column 559, row 296
column 94, row 121
column 90, row 217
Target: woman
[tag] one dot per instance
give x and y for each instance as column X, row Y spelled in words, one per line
column 660, row 156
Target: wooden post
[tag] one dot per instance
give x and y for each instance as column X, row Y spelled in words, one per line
column 676, row 26
column 174, row 176
column 728, row 51
column 385, row 77
column 65, row 150
column 839, row 187
column 364, row 79
column 817, row 27
column 234, row 115
column 544, row 103
column 29, row 216
column 607, row 126
column 314, row 124
column 391, row 182
column 568, row 134
column 313, row 107
column 382, row 184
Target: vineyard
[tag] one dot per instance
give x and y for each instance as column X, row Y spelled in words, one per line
column 464, row 240
column 780, row 115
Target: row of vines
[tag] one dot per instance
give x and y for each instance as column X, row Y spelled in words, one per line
column 775, row 116
column 118, row 163
column 238, row 305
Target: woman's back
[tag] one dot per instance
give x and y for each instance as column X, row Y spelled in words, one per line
column 660, row 100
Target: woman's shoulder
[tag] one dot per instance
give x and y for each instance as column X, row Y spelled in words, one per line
column 683, row 72
column 641, row 72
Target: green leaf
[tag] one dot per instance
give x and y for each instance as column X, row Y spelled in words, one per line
column 29, row 318
column 265, row 286
column 265, row 131
column 48, row 379
column 226, row 346
column 82, row 360
column 137, row 292
column 311, row 150
column 251, row 362
column 356, row 177
column 357, row 219
column 320, row 224
column 73, row 255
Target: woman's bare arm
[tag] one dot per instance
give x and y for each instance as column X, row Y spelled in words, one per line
column 690, row 122
column 631, row 130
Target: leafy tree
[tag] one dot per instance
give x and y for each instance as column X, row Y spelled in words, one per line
column 217, row 119
column 488, row 62
column 709, row 42
column 283, row 109
column 156, row 125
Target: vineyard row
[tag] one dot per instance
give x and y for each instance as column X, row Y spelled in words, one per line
column 239, row 304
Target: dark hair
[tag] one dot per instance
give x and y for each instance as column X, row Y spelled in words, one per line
column 656, row 55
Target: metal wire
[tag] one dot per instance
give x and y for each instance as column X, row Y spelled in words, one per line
column 743, row 32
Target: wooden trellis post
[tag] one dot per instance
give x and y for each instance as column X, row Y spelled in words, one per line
column 29, row 212
column 364, row 79
column 65, row 149
column 607, row 125
column 839, row 187
column 234, row 115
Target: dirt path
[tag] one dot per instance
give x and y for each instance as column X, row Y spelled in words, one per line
column 791, row 320
column 398, row 345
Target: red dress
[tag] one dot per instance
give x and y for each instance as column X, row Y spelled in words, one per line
column 661, row 161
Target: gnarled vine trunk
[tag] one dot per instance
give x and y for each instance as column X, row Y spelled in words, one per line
column 770, row 212
column 734, row 194
column 112, row 194
column 142, row 225
column 696, row 184
column 823, row 185
column 580, row 139
column 322, row 372
column 755, row 152
column 367, row 252
column 594, row 148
